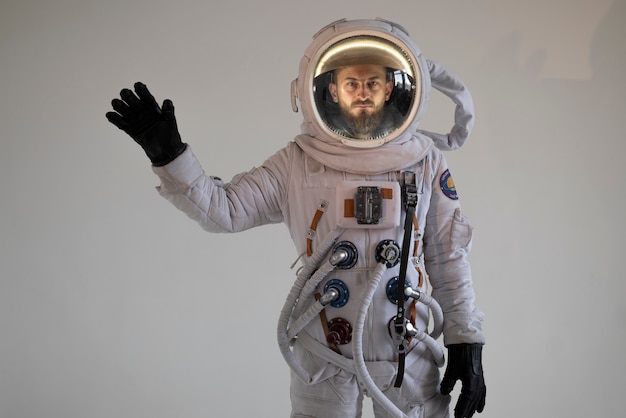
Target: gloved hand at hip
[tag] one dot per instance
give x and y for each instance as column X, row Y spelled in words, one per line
column 151, row 126
column 465, row 364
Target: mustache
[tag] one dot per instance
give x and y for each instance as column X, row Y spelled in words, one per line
column 366, row 102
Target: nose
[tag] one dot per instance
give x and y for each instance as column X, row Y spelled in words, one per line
column 362, row 91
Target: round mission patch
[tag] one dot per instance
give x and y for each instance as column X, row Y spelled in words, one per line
column 447, row 185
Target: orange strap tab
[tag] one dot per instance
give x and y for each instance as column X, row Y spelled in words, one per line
column 324, row 320
column 387, row 193
column 313, row 227
column 348, row 208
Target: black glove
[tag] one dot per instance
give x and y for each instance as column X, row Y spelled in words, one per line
column 152, row 127
column 465, row 364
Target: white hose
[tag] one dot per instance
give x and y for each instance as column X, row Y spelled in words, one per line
column 302, row 290
column 306, row 293
column 430, row 343
column 452, row 86
column 283, row 337
column 434, row 307
column 437, row 313
column 429, row 340
column 357, row 347
column 299, row 324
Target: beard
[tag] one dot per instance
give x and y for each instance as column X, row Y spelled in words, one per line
column 363, row 124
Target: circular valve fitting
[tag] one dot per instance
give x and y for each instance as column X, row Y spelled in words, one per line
column 343, row 294
column 339, row 331
column 392, row 289
column 388, row 251
column 344, row 255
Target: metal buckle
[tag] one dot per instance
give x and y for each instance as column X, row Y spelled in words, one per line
column 368, row 205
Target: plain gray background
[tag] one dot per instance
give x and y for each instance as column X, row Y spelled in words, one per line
column 113, row 304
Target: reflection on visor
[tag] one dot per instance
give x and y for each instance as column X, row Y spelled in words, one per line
column 364, row 87
column 364, row 50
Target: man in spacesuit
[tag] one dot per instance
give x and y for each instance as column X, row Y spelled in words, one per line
column 372, row 208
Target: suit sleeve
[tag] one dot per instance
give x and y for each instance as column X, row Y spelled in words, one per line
column 250, row 199
column 447, row 242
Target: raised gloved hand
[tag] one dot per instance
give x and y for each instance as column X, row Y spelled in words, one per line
column 151, row 126
column 465, row 364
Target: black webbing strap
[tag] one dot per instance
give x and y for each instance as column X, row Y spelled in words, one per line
column 409, row 195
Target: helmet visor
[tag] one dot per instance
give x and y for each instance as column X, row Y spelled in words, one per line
column 364, row 88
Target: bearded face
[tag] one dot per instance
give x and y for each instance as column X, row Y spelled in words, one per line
column 361, row 92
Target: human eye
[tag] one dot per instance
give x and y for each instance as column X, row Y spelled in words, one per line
column 374, row 85
column 350, row 85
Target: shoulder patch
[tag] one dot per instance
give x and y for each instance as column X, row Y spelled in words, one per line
column 447, row 185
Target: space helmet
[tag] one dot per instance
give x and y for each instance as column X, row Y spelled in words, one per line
column 346, row 44
column 377, row 47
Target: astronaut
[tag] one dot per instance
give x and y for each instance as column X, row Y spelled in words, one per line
column 372, row 208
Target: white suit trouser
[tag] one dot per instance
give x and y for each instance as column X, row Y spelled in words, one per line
column 337, row 393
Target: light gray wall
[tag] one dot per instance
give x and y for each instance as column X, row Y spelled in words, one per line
column 113, row 304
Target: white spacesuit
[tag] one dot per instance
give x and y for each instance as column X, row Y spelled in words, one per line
column 368, row 206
